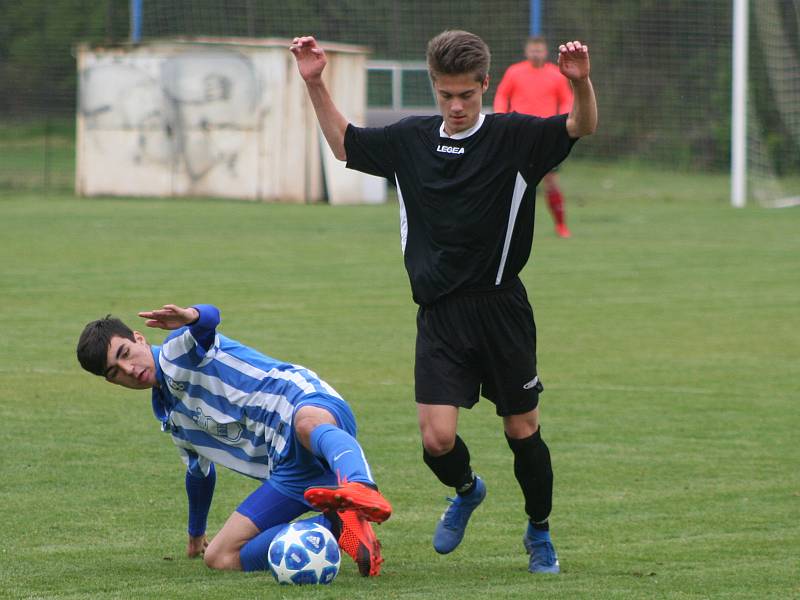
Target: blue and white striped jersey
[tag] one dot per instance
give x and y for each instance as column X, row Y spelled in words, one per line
column 224, row 402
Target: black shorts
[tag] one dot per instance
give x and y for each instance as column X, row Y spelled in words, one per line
column 472, row 343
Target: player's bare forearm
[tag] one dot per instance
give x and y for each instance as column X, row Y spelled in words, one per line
column 331, row 121
column 573, row 62
column 311, row 61
column 582, row 119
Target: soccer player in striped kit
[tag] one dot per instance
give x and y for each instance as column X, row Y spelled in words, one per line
column 227, row 404
column 466, row 187
column 537, row 87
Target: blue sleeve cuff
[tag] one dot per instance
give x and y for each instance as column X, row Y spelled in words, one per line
column 205, row 328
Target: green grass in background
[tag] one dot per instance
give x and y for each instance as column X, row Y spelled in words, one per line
column 37, row 154
column 668, row 336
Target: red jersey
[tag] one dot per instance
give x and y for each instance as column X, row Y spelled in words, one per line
column 529, row 90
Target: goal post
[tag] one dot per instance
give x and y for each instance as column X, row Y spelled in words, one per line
column 765, row 139
column 739, row 104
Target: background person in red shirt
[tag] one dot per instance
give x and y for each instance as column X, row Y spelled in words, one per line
column 537, row 87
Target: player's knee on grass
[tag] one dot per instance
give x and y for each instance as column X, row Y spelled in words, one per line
column 220, row 558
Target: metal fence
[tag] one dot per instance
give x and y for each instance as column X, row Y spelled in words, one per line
column 662, row 70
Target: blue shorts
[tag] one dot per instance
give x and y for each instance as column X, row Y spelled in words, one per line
column 298, row 470
column 267, row 507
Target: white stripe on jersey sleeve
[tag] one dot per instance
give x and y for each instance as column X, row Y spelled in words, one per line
column 325, row 385
column 516, row 200
column 403, row 217
column 329, row 388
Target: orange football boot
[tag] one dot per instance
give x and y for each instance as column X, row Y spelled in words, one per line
column 356, row 538
column 350, row 496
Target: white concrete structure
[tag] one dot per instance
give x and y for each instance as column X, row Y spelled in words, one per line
column 214, row 117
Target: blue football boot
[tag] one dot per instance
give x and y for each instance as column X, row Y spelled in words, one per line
column 543, row 558
column 451, row 527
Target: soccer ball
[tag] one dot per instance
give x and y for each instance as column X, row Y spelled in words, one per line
column 304, row 553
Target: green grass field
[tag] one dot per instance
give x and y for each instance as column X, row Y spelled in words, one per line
column 37, row 154
column 668, row 336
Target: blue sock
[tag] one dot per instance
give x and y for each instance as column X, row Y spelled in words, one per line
column 253, row 554
column 538, row 534
column 342, row 453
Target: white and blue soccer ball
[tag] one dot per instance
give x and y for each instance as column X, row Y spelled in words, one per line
column 304, row 553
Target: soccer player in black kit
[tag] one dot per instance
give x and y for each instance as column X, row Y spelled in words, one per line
column 466, row 185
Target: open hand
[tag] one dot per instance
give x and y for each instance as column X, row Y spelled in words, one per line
column 310, row 57
column 196, row 546
column 573, row 60
column 170, row 316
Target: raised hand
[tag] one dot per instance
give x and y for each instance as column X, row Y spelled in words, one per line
column 170, row 316
column 310, row 57
column 573, row 60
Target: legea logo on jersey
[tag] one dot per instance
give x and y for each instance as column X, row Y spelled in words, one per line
column 227, row 431
column 450, row 149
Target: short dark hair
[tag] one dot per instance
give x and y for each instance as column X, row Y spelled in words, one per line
column 455, row 52
column 93, row 344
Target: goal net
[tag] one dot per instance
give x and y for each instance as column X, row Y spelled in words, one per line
column 662, row 71
column 773, row 103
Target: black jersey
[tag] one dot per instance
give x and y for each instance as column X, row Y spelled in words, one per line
column 466, row 201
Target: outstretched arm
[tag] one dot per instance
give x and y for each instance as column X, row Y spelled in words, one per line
column 201, row 318
column 573, row 61
column 311, row 62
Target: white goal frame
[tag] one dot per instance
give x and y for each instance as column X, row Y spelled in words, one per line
column 739, row 103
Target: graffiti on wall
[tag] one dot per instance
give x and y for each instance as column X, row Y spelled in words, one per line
column 194, row 111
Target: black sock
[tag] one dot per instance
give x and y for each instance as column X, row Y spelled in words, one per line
column 467, row 488
column 453, row 468
column 535, row 476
